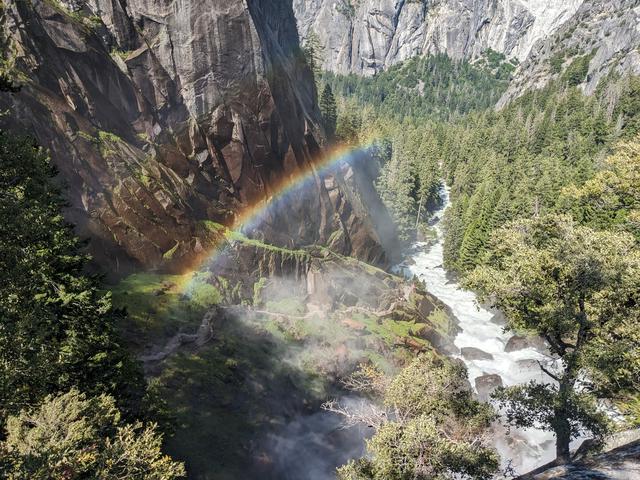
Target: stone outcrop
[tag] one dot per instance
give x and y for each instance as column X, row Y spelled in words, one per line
column 366, row 36
column 162, row 115
column 486, row 384
column 608, row 32
column 472, row 353
column 623, row 462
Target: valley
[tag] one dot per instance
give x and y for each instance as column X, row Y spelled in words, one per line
column 319, row 239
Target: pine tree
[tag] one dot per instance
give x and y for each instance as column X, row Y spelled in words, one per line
column 57, row 329
column 329, row 111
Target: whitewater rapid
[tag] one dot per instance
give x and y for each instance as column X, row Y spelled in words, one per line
column 480, row 329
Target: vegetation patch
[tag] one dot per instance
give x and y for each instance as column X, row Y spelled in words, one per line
column 160, row 305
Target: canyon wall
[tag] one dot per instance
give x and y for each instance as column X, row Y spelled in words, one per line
column 366, row 36
column 163, row 115
column 607, row 33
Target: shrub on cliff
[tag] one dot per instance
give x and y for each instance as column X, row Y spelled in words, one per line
column 72, row 437
column 430, row 426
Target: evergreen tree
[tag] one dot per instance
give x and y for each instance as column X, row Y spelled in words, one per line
column 57, row 329
column 312, row 51
column 576, row 288
column 329, row 111
column 72, row 437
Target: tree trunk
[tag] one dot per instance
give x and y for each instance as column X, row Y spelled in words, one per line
column 419, row 211
column 562, row 427
column 563, row 439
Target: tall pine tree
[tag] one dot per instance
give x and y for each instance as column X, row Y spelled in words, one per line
column 329, row 111
column 57, row 329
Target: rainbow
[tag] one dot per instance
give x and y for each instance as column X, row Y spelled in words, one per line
column 252, row 216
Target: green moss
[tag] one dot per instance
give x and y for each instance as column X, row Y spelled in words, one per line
column 104, row 136
column 168, row 255
column 236, row 236
column 335, row 237
column 122, row 54
column 287, row 306
column 87, row 136
column 213, row 226
column 390, row 330
column 158, row 305
column 257, row 291
column 441, row 321
column 201, row 292
column 146, row 181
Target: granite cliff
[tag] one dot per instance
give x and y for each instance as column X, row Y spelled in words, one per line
column 161, row 116
column 366, row 36
column 605, row 35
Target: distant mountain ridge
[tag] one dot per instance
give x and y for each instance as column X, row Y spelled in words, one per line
column 605, row 35
column 367, row 36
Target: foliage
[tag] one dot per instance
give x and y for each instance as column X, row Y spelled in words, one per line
column 577, row 288
column 71, row 436
column 312, row 53
column 577, row 72
column 431, row 429
column 329, row 111
column 425, row 87
column 611, row 199
column 402, row 108
column 516, row 162
column 57, row 329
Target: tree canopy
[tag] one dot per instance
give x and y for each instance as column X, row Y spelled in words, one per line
column 431, row 427
column 71, row 437
column 578, row 288
column 57, row 328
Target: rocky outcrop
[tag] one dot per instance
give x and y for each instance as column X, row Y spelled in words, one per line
column 472, row 353
column 623, row 462
column 162, row 115
column 486, row 384
column 366, row 36
column 607, row 34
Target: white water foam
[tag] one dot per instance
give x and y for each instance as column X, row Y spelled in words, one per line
column 524, row 450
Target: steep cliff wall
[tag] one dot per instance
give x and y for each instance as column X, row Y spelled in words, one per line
column 162, row 114
column 608, row 32
column 366, row 36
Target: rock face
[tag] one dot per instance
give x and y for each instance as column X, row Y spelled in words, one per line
column 622, row 463
column 162, row 115
column 366, row 36
column 607, row 30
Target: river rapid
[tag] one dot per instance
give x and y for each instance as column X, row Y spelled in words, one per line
column 482, row 340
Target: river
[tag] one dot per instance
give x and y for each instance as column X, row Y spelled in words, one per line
column 483, row 340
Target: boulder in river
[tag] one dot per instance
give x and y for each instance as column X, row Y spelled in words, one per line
column 472, row 353
column 441, row 343
column 499, row 319
column 516, row 343
column 486, row 384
